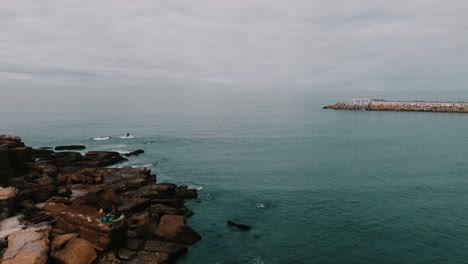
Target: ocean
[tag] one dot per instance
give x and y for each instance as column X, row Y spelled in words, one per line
column 317, row 186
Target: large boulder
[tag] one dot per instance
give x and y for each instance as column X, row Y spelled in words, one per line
column 76, row 251
column 172, row 228
column 60, row 240
column 8, row 200
column 28, row 246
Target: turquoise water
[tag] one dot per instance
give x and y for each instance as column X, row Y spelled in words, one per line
column 317, row 186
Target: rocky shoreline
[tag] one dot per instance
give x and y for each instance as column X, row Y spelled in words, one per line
column 413, row 106
column 58, row 196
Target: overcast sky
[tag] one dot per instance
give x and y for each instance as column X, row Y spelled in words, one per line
column 355, row 44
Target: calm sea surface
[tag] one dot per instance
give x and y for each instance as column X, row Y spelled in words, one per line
column 317, row 186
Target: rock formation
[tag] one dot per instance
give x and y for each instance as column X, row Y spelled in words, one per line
column 60, row 195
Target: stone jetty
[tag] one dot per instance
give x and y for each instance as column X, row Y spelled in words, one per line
column 413, row 106
column 58, row 196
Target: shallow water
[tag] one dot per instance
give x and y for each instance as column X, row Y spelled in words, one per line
column 317, row 186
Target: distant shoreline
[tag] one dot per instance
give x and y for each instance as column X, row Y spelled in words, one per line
column 412, row 106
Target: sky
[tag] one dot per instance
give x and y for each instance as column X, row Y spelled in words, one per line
column 258, row 44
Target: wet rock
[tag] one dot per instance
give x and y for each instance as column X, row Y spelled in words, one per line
column 42, row 153
column 104, row 158
column 172, row 228
column 135, row 152
column 76, row 251
column 70, row 147
column 68, row 158
column 183, row 192
column 28, row 246
column 242, row 227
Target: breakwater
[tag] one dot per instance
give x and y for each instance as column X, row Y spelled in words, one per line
column 414, row 106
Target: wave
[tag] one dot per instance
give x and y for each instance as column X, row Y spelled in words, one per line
column 198, row 188
column 127, row 137
column 100, row 138
column 141, row 166
column 260, row 205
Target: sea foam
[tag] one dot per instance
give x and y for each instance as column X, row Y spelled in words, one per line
column 100, row 138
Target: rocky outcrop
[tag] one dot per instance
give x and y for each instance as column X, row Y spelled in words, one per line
column 65, row 191
column 413, row 106
column 28, row 246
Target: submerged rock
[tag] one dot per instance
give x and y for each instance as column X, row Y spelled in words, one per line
column 70, row 147
column 242, row 227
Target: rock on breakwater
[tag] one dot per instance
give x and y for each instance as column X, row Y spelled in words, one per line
column 414, row 106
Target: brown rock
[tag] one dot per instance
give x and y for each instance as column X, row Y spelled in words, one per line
column 150, row 257
column 177, row 203
column 172, row 228
column 144, row 227
column 8, row 200
column 46, row 181
column 174, row 249
column 133, row 244
column 104, row 158
column 76, row 251
column 125, row 254
column 111, row 197
column 55, row 208
column 60, row 240
column 167, row 210
column 28, row 246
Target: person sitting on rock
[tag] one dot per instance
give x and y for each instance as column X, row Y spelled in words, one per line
column 101, row 214
column 115, row 211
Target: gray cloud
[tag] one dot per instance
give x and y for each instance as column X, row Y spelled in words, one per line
column 370, row 43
